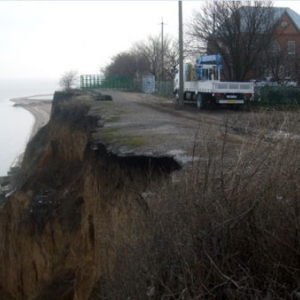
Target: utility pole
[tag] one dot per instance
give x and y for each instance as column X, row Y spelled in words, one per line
column 162, row 49
column 180, row 100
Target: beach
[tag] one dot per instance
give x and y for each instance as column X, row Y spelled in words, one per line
column 39, row 107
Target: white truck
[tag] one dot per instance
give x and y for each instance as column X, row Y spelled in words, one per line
column 203, row 86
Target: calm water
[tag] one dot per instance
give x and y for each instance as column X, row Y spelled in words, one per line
column 15, row 122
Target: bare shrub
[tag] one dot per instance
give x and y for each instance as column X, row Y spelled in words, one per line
column 68, row 80
column 228, row 228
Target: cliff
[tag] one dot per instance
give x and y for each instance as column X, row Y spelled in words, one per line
column 99, row 213
column 77, row 203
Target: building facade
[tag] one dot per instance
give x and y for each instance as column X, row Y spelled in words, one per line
column 286, row 45
column 279, row 39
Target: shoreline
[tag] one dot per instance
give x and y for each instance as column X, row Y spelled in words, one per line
column 40, row 109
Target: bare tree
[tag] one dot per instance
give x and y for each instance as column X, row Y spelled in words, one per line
column 130, row 64
column 273, row 59
column 68, row 80
column 144, row 58
column 152, row 51
column 239, row 33
column 171, row 58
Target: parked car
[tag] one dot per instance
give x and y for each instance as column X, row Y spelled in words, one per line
column 266, row 81
column 289, row 82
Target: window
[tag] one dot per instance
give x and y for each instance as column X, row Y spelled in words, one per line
column 291, row 47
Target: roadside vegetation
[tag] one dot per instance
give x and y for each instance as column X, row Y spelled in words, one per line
column 228, row 227
column 277, row 97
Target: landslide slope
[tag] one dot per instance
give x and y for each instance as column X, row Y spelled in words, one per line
column 75, row 205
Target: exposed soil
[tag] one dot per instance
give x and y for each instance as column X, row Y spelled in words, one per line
column 88, row 224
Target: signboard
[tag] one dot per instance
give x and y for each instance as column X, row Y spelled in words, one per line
column 149, row 84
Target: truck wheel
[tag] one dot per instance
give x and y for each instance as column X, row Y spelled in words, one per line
column 199, row 100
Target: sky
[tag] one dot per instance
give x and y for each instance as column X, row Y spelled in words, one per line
column 45, row 39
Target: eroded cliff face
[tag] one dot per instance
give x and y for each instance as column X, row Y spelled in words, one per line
column 74, row 205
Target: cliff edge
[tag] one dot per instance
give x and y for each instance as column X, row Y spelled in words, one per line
column 76, row 202
column 134, row 199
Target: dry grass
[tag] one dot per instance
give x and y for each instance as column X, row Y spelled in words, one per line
column 228, row 229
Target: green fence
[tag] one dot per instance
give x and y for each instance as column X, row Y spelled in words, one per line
column 110, row 82
column 90, row 81
column 123, row 83
column 279, row 97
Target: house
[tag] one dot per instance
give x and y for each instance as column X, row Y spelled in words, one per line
column 277, row 32
column 287, row 42
column 282, row 59
column 288, row 29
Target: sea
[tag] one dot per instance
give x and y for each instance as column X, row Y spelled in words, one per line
column 15, row 122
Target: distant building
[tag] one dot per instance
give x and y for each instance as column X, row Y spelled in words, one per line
column 287, row 44
column 281, row 60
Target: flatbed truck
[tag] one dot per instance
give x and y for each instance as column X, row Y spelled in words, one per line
column 203, row 85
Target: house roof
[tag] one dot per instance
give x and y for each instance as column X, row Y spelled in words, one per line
column 279, row 11
column 276, row 12
column 294, row 17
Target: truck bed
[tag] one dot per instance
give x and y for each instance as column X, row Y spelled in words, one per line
column 219, row 87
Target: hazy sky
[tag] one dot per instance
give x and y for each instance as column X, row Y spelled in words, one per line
column 43, row 39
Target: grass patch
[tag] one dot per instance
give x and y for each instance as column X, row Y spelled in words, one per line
column 109, row 134
column 108, row 111
column 114, row 135
column 113, row 119
column 133, row 141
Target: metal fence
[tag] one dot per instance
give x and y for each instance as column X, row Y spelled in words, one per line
column 164, row 88
column 277, row 97
column 123, row 83
column 267, row 96
column 100, row 82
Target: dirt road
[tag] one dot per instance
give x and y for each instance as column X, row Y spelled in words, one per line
column 141, row 124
